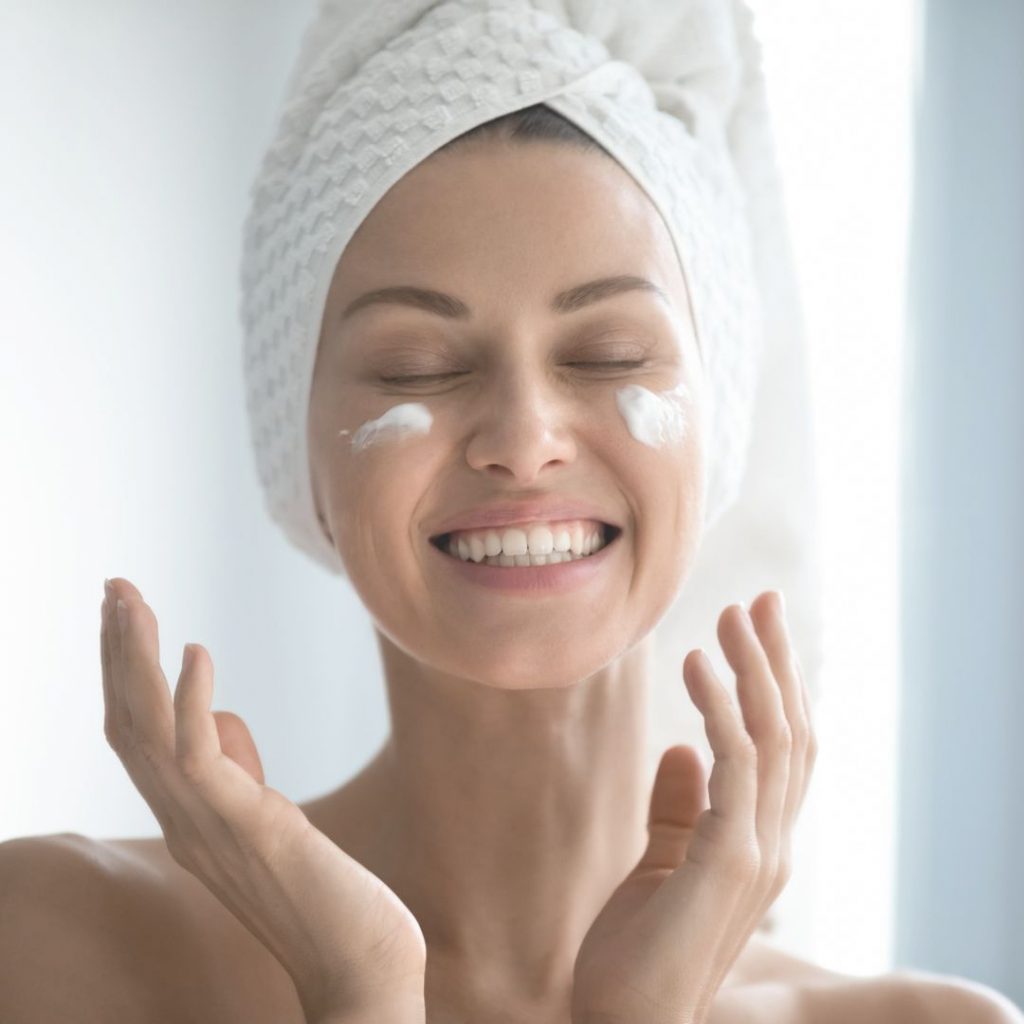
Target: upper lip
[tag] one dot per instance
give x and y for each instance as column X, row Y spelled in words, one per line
column 503, row 513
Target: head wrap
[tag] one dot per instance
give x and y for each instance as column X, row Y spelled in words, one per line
column 376, row 93
column 673, row 90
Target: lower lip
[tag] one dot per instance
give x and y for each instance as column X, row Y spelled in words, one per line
column 547, row 578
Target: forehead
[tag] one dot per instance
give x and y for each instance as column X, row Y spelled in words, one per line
column 509, row 222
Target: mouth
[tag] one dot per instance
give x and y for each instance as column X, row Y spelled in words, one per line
column 607, row 534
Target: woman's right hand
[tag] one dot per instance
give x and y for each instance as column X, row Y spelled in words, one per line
column 350, row 945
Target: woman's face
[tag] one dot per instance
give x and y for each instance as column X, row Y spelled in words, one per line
column 522, row 401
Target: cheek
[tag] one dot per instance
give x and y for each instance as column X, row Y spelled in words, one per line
column 668, row 424
column 668, row 432
column 656, row 419
column 364, row 454
column 408, row 419
column 371, row 468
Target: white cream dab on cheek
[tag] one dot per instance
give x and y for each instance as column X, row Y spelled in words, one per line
column 398, row 422
column 654, row 418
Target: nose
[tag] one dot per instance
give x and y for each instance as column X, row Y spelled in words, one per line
column 522, row 428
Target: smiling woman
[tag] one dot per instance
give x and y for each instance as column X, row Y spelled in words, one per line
column 517, row 461
column 521, row 390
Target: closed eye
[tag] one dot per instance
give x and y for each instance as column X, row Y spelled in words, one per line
column 619, row 364
column 416, row 380
column 622, row 364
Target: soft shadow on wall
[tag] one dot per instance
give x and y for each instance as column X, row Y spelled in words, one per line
column 961, row 883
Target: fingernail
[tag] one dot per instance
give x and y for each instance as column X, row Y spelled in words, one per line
column 121, row 612
column 107, row 589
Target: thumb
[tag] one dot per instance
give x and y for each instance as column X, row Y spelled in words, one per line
column 237, row 743
column 679, row 796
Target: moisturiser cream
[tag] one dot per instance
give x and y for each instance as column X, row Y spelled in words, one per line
column 398, row 422
column 654, row 418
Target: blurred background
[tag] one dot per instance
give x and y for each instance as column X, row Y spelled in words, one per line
column 132, row 131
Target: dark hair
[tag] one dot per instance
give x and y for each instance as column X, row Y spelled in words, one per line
column 534, row 123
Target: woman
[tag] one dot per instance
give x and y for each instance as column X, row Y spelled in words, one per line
column 506, row 815
column 512, row 460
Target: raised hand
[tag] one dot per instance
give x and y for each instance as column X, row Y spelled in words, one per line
column 348, row 942
column 667, row 937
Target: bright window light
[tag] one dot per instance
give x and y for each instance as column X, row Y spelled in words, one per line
column 839, row 86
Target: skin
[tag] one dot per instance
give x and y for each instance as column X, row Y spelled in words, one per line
column 495, row 718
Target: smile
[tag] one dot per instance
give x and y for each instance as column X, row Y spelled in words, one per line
column 510, row 548
column 554, row 571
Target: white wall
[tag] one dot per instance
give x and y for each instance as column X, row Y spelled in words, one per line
column 132, row 131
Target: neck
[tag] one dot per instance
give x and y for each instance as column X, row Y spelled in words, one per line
column 505, row 819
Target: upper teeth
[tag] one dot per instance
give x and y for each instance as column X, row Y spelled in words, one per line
column 579, row 538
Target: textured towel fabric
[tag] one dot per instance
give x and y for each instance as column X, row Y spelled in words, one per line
column 382, row 92
column 673, row 90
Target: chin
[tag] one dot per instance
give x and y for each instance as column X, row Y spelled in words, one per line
column 524, row 664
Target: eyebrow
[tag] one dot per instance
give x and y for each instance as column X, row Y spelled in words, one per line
column 448, row 306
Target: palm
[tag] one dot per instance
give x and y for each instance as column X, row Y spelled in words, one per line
column 342, row 881
column 619, row 942
column 292, row 825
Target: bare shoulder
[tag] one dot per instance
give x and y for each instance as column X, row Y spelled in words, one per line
column 950, row 999
column 61, row 958
column 102, row 930
column 904, row 997
column 763, row 962
column 775, row 986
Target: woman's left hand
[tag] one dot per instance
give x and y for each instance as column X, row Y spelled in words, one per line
column 665, row 940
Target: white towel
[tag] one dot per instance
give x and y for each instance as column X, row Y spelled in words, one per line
column 673, row 89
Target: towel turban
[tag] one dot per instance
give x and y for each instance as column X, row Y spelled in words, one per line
column 673, row 90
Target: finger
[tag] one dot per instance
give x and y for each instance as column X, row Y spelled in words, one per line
column 117, row 721
column 761, row 702
column 764, row 717
column 118, row 587
column 197, row 744
column 811, row 753
column 732, row 787
column 723, row 848
column 678, row 798
column 142, row 760
column 145, row 688
column 768, row 614
column 682, row 794
column 215, row 755
column 768, row 620
column 236, row 742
